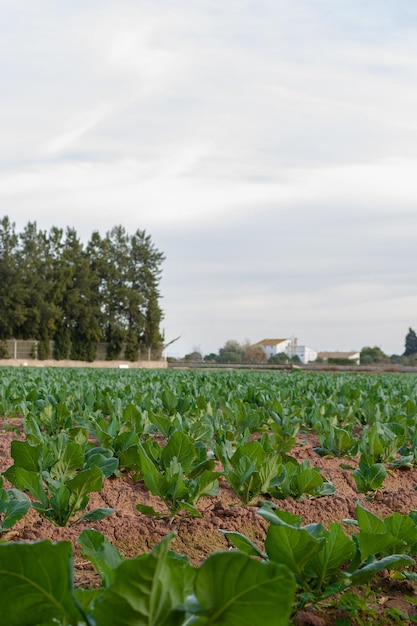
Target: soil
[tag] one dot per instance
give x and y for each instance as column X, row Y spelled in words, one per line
column 133, row 533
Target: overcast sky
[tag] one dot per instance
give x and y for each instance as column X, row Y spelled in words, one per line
column 269, row 147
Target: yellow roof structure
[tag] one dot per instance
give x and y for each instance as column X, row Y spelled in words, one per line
column 338, row 355
column 269, row 342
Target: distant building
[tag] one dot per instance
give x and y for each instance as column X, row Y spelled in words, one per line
column 273, row 346
column 289, row 347
column 350, row 356
column 305, row 354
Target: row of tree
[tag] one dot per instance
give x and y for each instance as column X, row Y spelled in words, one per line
column 55, row 288
column 235, row 352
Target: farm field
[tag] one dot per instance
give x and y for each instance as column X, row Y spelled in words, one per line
column 226, row 467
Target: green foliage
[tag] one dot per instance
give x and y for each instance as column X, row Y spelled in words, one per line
column 242, row 417
column 101, row 553
column 300, row 481
column 385, row 537
column 13, row 506
column 44, row 347
column 251, row 470
column 233, row 352
column 284, row 428
column 383, row 441
column 370, row 355
column 54, row 289
column 62, row 343
column 300, row 565
column 340, row 361
column 336, row 441
column 158, row 588
column 234, row 590
column 59, row 478
column 12, row 293
column 132, row 346
column 279, row 359
column 219, row 412
column 179, row 473
column 326, row 561
column 36, row 584
column 166, row 580
column 369, row 476
column 410, row 343
column 197, row 413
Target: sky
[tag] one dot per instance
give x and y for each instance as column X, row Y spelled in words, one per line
column 268, row 147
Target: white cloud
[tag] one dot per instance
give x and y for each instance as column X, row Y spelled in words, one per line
column 167, row 191
column 77, row 128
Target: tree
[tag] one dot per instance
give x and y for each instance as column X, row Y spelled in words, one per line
column 232, row 352
column 144, row 274
column 128, row 270
column 109, row 258
column 12, row 310
column 193, row 357
column 279, row 358
column 36, row 275
column 151, row 338
column 410, row 343
column 372, row 355
column 254, row 354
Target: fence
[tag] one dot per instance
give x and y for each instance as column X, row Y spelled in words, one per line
column 28, row 349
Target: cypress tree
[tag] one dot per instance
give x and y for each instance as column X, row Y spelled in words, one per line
column 12, row 310
column 37, row 278
column 410, row 343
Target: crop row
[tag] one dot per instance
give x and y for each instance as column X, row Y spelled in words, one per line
column 79, row 430
column 243, row 587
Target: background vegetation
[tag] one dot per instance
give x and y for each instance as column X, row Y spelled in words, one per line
column 53, row 288
column 235, row 352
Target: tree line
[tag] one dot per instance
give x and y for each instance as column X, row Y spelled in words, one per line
column 55, row 288
column 371, row 355
column 234, row 352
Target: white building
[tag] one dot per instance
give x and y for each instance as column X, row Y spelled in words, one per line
column 273, row 346
column 305, row 354
column 289, row 347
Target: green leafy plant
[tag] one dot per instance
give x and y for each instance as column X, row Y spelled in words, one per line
column 382, row 442
column 157, row 588
column 300, row 481
column 313, row 554
column 325, row 562
column 284, row 428
column 243, row 417
column 336, row 441
column 55, row 418
column 36, row 584
column 180, row 473
column 251, row 470
column 58, row 477
column 369, row 476
column 13, row 506
column 384, row 537
column 162, row 588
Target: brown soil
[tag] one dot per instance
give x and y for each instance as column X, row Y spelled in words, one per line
column 133, row 533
